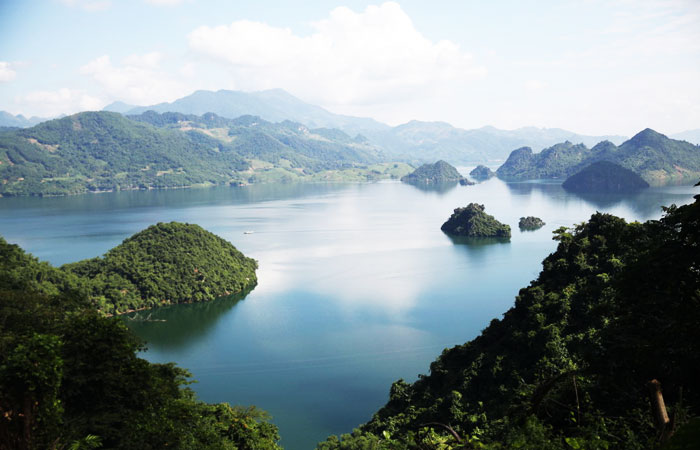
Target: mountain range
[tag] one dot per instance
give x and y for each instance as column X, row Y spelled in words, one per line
column 103, row 151
column 655, row 157
column 18, row 121
column 414, row 141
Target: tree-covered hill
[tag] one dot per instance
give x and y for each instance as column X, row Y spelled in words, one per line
column 105, row 151
column 613, row 313
column 604, row 176
column 70, row 378
column 472, row 221
column 163, row 264
column 432, row 174
column 98, row 151
column 653, row 156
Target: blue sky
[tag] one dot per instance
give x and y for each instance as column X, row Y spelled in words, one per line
column 595, row 67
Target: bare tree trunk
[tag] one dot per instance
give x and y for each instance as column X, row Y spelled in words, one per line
column 658, row 410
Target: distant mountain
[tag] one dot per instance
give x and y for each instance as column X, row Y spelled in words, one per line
column 9, row 120
column 604, row 176
column 413, row 141
column 653, row 156
column 439, row 140
column 692, row 136
column 98, row 151
column 119, row 107
column 275, row 105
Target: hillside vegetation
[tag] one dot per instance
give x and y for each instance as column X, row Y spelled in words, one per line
column 472, row 221
column 613, row 312
column 70, row 377
column 653, row 156
column 440, row 172
column 164, row 264
column 105, row 151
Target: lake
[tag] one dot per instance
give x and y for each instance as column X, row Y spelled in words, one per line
column 358, row 287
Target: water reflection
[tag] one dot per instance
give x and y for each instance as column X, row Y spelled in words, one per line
column 180, row 326
column 438, row 188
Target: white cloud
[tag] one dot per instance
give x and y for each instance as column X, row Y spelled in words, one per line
column 138, row 80
column 6, row 72
column 89, row 5
column 57, row 102
column 535, row 85
column 351, row 58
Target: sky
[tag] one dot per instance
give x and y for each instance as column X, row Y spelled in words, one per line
column 595, row 67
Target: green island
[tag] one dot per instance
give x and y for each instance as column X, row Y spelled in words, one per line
column 651, row 155
column 472, row 221
column 604, row 176
column 164, row 264
column 608, row 329
column 105, row 151
column 530, row 223
column 70, row 375
column 438, row 173
column 482, row 172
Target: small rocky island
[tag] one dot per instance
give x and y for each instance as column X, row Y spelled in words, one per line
column 482, row 173
column 530, row 223
column 472, row 221
column 435, row 174
column 604, row 177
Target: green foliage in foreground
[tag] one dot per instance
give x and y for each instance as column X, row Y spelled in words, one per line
column 166, row 263
column 472, row 221
column 615, row 306
column 70, row 379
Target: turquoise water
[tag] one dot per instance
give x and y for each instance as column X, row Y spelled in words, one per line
column 358, row 287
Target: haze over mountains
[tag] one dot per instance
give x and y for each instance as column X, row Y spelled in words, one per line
column 416, row 141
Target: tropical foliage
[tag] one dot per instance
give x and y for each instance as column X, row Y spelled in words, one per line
column 569, row 366
column 70, row 377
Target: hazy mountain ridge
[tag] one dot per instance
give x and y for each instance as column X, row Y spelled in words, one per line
column 692, row 136
column 655, row 157
column 10, row 120
column 412, row 141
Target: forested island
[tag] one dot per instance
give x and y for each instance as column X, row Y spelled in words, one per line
column 438, row 173
column 604, row 176
column 482, row 173
column 651, row 155
column 70, row 377
column 472, row 221
column 599, row 352
column 530, row 223
column 166, row 263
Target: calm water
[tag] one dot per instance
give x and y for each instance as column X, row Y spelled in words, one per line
column 357, row 284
